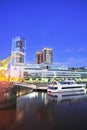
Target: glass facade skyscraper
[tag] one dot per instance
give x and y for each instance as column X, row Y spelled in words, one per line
column 18, row 48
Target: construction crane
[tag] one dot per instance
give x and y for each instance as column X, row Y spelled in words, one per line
column 3, row 66
column 4, row 63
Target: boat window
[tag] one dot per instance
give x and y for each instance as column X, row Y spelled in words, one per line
column 71, row 87
column 67, row 82
column 52, row 88
column 55, row 88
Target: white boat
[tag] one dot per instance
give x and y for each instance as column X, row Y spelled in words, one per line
column 66, row 86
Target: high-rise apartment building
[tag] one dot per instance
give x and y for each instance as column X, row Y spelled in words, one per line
column 39, row 57
column 46, row 56
column 18, row 48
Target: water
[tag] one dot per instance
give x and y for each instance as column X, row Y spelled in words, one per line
column 40, row 111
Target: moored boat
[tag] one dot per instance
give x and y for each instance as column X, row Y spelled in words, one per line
column 66, row 86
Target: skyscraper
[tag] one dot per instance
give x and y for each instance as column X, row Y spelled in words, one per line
column 18, row 48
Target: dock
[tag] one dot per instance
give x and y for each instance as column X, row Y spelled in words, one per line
column 31, row 86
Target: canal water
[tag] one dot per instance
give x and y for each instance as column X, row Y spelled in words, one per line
column 40, row 111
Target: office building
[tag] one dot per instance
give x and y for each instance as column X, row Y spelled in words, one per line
column 18, row 48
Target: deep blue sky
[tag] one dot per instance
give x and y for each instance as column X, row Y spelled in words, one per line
column 58, row 24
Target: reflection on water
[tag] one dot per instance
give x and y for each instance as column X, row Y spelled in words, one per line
column 7, row 98
column 7, row 119
column 39, row 110
column 66, row 97
column 7, row 108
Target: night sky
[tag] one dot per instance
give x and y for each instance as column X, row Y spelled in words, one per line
column 57, row 24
